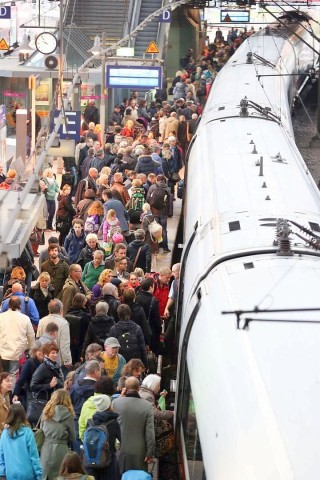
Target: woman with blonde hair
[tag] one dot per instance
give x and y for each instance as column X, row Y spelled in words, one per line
column 42, row 293
column 50, row 191
column 58, row 427
column 104, row 277
column 98, row 132
column 128, row 130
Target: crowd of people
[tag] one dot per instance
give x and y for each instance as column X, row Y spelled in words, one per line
column 80, row 337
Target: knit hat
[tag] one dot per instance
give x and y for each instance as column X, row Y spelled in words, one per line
column 101, row 402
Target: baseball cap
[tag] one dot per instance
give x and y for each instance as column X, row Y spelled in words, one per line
column 111, row 342
column 101, row 402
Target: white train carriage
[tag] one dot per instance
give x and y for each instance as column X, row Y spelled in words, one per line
column 248, row 382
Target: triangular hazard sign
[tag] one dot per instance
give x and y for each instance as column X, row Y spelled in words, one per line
column 227, row 18
column 152, row 48
column 3, row 44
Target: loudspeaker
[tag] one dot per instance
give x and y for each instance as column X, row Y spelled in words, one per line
column 51, row 62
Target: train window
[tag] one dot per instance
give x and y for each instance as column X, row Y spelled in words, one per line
column 234, row 226
column 191, row 435
column 314, row 226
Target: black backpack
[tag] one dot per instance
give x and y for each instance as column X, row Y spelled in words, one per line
column 75, row 328
column 129, row 345
column 158, row 198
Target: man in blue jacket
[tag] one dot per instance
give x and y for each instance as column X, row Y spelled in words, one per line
column 75, row 241
column 28, row 307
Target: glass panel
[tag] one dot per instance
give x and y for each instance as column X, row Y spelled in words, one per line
column 191, row 436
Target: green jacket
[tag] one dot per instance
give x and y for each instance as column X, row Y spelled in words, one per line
column 52, row 189
column 87, row 411
column 90, row 275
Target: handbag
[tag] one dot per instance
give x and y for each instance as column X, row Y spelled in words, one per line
column 155, row 230
column 37, row 236
column 34, row 272
column 165, row 439
column 39, row 436
column 175, row 177
column 36, row 406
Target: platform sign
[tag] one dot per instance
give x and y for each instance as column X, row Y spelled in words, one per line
column 3, row 44
column 235, row 16
column 152, row 48
column 72, row 131
column 5, row 12
column 134, row 77
column 166, row 16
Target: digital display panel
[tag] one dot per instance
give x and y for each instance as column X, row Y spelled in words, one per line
column 235, row 16
column 134, row 77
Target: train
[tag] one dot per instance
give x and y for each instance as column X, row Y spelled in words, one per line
column 248, row 322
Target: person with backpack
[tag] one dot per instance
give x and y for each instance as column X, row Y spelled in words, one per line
column 99, row 327
column 129, row 336
column 158, row 198
column 94, row 218
column 99, row 441
column 111, row 226
column 135, row 204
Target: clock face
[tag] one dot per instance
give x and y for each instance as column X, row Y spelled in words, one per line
column 46, row 43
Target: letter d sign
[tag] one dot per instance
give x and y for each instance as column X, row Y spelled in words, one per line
column 166, row 16
column 5, row 12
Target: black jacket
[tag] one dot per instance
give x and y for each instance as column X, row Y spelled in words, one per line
column 80, row 392
column 139, row 317
column 42, row 377
column 144, row 257
column 23, row 382
column 151, row 310
column 113, row 305
column 40, row 300
column 134, row 329
column 98, row 330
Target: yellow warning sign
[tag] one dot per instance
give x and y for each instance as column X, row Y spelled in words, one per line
column 3, row 44
column 152, row 48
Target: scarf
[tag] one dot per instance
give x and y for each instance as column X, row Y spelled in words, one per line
column 53, row 366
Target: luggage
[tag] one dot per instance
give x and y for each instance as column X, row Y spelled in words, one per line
column 136, row 475
column 180, row 189
column 155, row 230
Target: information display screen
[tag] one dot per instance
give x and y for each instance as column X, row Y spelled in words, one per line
column 235, row 16
column 134, row 77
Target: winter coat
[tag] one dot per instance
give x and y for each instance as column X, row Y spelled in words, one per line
column 87, row 411
column 52, row 188
column 146, row 165
column 91, row 274
column 136, row 421
column 121, row 212
column 19, row 458
column 83, row 207
column 79, row 319
column 65, row 209
column 58, row 433
column 179, row 90
column 74, row 245
column 80, row 391
column 63, row 338
column 144, row 258
column 86, row 255
column 151, row 310
column 4, row 409
column 121, row 189
column 113, row 305
column 111, row 472
column 16, row 334
column 23, row 383
column 58, row 272
column 98, row 330
column 27, row 308
column 148, row 395
column 42, row 377
column 124, row 326
column 139, row 317
column 40, row 299
column 70, row 288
